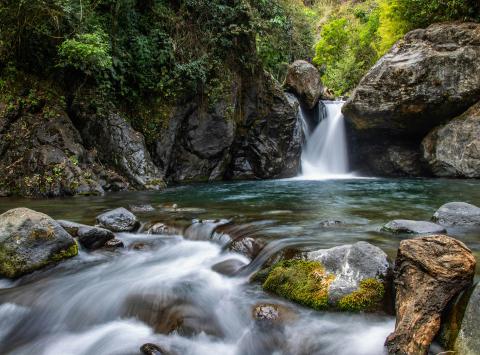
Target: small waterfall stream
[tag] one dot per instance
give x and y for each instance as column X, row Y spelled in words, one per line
column 325, row 153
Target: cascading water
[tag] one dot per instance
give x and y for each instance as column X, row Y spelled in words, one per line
column 325, row 153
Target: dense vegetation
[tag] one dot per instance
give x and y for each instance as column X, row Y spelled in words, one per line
column 137, row 51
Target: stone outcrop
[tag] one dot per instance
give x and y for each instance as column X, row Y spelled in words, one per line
column 30, row 240
column 454, row 149
column 303, row 79
column 431, row 75
column 468, row 338
column 429, row 272
column 457, row 214
column 412, row 227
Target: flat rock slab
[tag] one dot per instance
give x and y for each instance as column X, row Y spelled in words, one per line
column 412, row 227
column 457, row 214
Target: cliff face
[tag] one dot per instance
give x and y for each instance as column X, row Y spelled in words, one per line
column 425, row 80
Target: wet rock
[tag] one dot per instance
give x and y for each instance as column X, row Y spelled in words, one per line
column 457, row 214
column 303, row 79
column 228, row 267
column 412, row 227
column 118, row 220
column 247, row 246
column 203, row 229
column 431, row 75
column 141, row 208
column 348, row 278
column 114, row 243
column 89, row 237
column 429, row 272
column 453, row 150
column 163, row 229
column 330, row 223
column 30, row 240
column 272, row 313
column 153, row 349
column 167, row 312
column 468, row 338
column 351, row 264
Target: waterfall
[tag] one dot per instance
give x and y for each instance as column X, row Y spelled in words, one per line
column 325, row 153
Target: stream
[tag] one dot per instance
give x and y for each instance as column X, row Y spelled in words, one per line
column 112, row 302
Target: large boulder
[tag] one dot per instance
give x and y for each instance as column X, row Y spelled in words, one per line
column 454, row 149
column 412, row 227
column 303, row 79
column 429, row 273
column 89, row 237
column 431, row 75
column 118, row 220
column 348, row 278
column 30, row 240
column 457, row 214
column 468, row 338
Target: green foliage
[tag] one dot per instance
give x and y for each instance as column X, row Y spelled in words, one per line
column 366, row 298
column 89, row 53
column 301, row 281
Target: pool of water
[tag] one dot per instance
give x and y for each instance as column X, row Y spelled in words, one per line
column 112, row 302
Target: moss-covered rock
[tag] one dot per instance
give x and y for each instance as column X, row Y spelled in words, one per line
column 349, row 278
column 30, row 240
column 301, row 281
column 368, row 296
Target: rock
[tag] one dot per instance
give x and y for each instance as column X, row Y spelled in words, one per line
column 141, row 208
column 468, row 338
column 429, row 272
column 228, row 267
column 431, row 75
column 330, row 223
column 161, row 228
column 272, row 313
column 348, row 277
column 303, row 79
column 412, row 227
column 89, row 237
column 116, row 142
column 453, row 150
column 114, row 243
column 457, row 214
column 247, row 246
column 153, row 349
column 118, row 220
column 30, row 240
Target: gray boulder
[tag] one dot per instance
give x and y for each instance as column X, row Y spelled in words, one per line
column 30, row 240
column 351, row 264
column 431, row 75
column 454, row 149
column 457, row 214
column 412, row 227
column 89, row 237
column 468, row 338
column 303, row 79
column 118, row 220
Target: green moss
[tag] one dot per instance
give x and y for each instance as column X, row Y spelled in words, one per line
column 301, row 281
column 368, row 295
column 66, row 253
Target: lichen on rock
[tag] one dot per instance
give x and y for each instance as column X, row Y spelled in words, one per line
column 367, row 297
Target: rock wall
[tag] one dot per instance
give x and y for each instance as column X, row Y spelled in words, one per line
column 426, row 80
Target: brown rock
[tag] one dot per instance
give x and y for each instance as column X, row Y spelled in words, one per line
column 304, row 80
column 429, row 272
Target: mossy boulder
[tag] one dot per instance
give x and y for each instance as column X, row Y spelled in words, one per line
column 350, row 278
column 30, row 240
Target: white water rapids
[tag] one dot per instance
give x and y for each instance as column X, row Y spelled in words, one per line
column 111, row 303
column 325, row 154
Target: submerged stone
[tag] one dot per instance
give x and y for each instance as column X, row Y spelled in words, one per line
column 153, row 349
column 30, row 240
column 457, row 214
column 412, row 227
